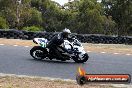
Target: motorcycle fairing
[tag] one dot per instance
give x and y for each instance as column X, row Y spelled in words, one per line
column 41, row 41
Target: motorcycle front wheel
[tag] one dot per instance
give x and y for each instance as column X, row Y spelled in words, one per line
column 81, row 60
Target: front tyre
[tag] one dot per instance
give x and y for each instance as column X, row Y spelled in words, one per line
column 38, row 53
column 81, row 60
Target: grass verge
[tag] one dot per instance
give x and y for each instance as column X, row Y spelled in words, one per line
column 37, row 82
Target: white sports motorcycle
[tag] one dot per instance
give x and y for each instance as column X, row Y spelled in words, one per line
column 43, row 52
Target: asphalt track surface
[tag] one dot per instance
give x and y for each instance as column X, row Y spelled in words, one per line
column 16, row 60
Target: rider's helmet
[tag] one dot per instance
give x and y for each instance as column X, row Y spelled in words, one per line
column 66, row 32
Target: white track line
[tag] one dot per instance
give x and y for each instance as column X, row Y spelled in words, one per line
column 15, row 45
column 128, row 54
column 26, row 46
column 102, row 52
column 116, row 53
column 1, row 44
column 87, row 51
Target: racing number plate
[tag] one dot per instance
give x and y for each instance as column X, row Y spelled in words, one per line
column 43, row 43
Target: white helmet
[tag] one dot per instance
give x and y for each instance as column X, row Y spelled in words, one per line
column 66, row 31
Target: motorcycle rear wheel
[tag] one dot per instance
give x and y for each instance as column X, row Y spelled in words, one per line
column 38, row 52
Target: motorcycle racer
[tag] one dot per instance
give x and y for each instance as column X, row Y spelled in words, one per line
column 57, row 40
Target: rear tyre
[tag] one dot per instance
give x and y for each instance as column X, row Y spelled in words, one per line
column 38, row 53
column 82, row 60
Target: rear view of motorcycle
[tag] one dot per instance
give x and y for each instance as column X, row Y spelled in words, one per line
column 77, row 52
